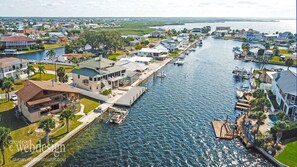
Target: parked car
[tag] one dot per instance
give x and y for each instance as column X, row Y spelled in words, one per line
column 13, row 98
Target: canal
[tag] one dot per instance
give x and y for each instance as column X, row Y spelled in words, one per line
column 41, row 55
column 170, row 124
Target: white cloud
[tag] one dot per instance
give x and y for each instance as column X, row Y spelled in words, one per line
column 154, row 8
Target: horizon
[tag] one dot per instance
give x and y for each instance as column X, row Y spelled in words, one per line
column 141, row 8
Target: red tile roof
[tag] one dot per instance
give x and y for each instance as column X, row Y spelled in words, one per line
column 17, row 38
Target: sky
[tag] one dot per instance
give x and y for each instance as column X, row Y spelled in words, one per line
column 149, row 8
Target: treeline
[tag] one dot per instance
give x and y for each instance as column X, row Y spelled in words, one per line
column 98, row 40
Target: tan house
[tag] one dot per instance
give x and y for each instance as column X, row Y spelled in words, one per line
column 42, row 98
column 97, row 75
column 266, row 76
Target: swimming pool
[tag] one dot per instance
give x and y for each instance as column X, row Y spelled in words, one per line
column 273, row 118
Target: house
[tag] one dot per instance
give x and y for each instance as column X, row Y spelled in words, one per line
column 285, row 35
column 131, row 77
column 268, row 54
column 152, row 52
column 221, row 31
column 270, row 37
column 14, row 42
column 196, row 31
column 252, row 35
column 284, row 88
column 162, row 48
column 98, row 74
column 266, row 76
column 42, row 98
column 13, row 67
column 170, row 44
column 138, row 59
column 158, row 33
column 253, row 52
column 57, row 37
column 132, row 66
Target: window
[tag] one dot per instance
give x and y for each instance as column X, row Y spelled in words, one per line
column 78, row 76
column 90, row 78
column 90, row 88
column 292, row 99
column 95, row 79
column 55, row 107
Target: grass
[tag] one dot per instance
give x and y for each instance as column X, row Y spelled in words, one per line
column 284, row 51
column 277, row 60
column 89, row 103
column 18, row 84
column 154, row 40
column 256, row 71
column 44, row 77
column 288, row 156
column 174, row 54
column 53, row 46
column 114, row 56
column 51, row 67
column 20, row 131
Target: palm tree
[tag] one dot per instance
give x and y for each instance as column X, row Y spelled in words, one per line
column 61, row 73
column 41, row 70
column 289, row 62
column 282, row 116
column 65, row 79
column 51, row 54
column 47, row 125
column 5, row 140
column 279, row 126
column 259, row 104
column 30, row 68
column 267, row 45
column 67, row 114
column 259, row 93
column 260, row 116
column 7, row 86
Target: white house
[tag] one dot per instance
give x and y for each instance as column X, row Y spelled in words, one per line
column 284, row 88
column 152, row 52
column 13, row 67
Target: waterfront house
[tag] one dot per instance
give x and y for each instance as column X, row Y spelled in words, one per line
column 252, row 35
column 284, row 88
column 170, row 44
column 132, row 66
column 152, row 52
column 162, row 48
column 158, row 33
column 42, row 98
column 268, row 54
column 138, row 59
column 221, row 31
column 266, row 76
column 13, row 67
column 253, row 52
column 285, row 35
column 98, row 74
column 196, row 31
column 15, row 42
column 57, row 37
column 270, row 38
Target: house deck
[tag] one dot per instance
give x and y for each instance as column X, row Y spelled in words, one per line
column 222, row 130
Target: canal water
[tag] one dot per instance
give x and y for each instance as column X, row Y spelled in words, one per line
column 170, row 125
column 40, row 55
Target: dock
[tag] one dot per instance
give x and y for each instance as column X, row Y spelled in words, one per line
column 222, row 130
column 131, row 96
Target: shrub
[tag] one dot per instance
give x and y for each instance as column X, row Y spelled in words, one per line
column 106, row 92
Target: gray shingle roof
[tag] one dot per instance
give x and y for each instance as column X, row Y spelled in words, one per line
column 287, row 82
column 85, row 72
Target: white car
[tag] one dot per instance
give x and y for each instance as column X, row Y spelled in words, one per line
column 13, row 98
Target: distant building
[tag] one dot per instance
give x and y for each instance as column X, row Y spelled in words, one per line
column 284, row 88
column 13, row 67
column 221, row 31
column 42, row 98
column 252, row 35
column 152, row 52
column 197, row 31
column 57, row 37
column 158, row 33
column 14, row 42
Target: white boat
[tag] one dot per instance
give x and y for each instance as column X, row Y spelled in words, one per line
column 118, row 116
column 239, row 94
column 161, row 75
column 179, row 62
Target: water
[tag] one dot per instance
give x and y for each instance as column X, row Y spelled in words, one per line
column 41, row 55
column 170, row 125
column 268, row 27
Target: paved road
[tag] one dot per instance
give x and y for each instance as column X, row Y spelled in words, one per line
column 2, row 96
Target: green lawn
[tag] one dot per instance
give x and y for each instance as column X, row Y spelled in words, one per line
column 174, row 54
column 44, row 77
column 288, row 156
column 51, row 67
column 276, row 59
column 18, row 84
column 89, row 103
column 20, row 131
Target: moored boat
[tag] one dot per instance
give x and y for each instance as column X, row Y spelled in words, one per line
column 118, row 116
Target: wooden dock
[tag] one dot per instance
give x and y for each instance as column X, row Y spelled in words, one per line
column 222, row 130
column 131, row 96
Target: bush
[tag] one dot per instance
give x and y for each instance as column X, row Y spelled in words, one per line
column 106, row 92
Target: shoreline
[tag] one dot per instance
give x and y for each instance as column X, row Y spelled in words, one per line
column 92, row 116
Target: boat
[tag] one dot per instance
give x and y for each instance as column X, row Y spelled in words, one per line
column 118, row 116
column 161, row 75
column 193, row 50
column 200, row 43
column 239, row 94
column 179, row 62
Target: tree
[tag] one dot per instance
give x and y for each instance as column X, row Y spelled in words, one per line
column 261, row 52
column 74, row 60
column 276, row 51
column 5, row 140
column 267, row 45
column 260, row 116
column 139, row 46
column 30, row 68
column 67, row 114
column 7, row 86
column 51, row 54
column 279, row 126
column 282, row 116
column 245, row 47
column 259, row 104
column 41, row 70
column 65, row 78
column 289, row 62
column 47, row 125
column 259, row 93
column 61, row 73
